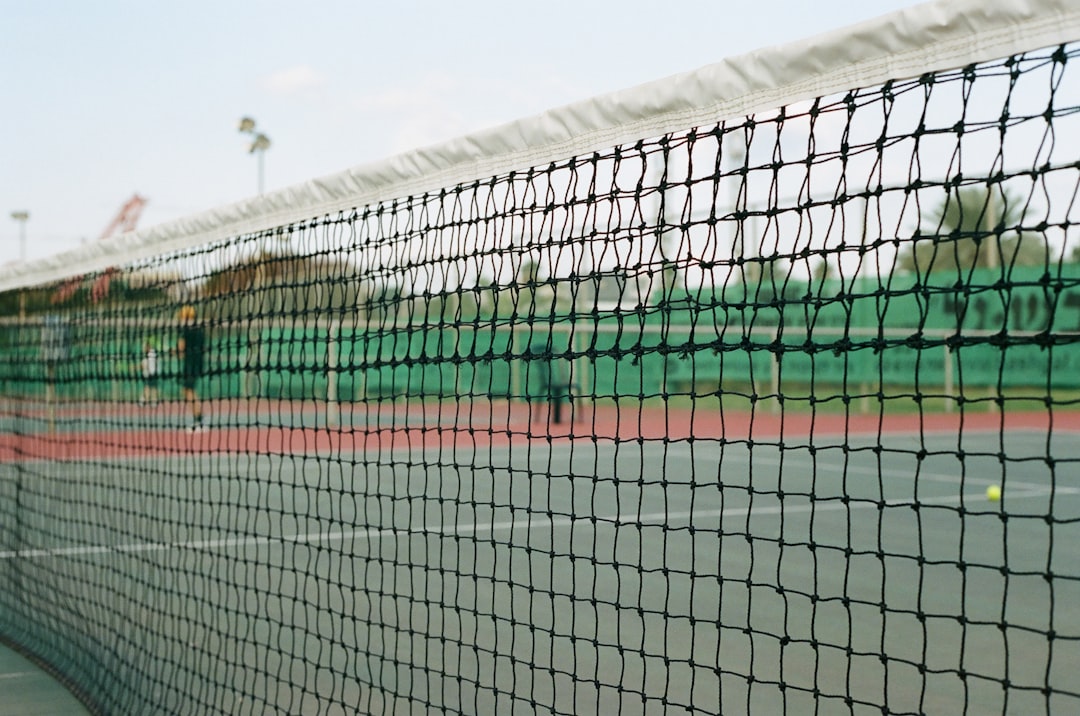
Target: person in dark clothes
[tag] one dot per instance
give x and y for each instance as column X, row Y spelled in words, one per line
column 554, row 385
column 191, row 347
column 149, row 374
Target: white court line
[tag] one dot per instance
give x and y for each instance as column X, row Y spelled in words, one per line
column 911, row 474
column 531, row 522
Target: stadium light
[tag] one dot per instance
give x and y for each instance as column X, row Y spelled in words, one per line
column 21, row 217
column 259, row 144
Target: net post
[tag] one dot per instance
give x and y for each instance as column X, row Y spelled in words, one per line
column 455, row 351
column 950, row 396
column 572, row 347
column 517, row 366
column 993, row 262
column 50, row 397
column 864, row 385
column 774, row 374
column 333, row 407
column 867, row 382
column 360, row 390
column 248, row 375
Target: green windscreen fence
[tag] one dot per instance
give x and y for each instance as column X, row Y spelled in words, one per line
column 692, row 342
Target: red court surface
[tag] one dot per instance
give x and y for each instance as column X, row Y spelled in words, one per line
column 285, row 429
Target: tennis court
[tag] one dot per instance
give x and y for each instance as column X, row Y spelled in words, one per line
column 567, row 578
column 813, row 328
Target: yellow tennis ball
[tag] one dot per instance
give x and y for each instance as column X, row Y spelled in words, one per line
column 993, row 493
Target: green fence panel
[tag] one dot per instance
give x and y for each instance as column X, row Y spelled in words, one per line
column 294, row 363
column 859, row 332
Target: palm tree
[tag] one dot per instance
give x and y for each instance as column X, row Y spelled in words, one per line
column 974, row 227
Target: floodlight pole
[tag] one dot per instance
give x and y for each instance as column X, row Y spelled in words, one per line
column 262, row 170
column 21, row 217
column 259, row 144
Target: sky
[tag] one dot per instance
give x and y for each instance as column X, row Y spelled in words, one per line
column 107, row 99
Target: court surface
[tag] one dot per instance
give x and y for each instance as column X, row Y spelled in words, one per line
column 579, row 575
column 27, row 690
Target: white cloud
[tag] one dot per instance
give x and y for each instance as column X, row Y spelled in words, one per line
column 432, row 90
column 293, row 80
column 423, row 113
column 426, row 127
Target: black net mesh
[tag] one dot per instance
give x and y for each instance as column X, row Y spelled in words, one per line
column 778, row 415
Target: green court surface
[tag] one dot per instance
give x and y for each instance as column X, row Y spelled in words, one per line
column 26, row 690
column 579, row 577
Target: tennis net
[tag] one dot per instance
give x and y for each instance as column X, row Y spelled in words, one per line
column 762, row 397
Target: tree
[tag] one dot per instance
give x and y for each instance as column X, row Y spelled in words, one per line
column 823, row 270
column 28, row 300
column 279, row 281
column 973, row 227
